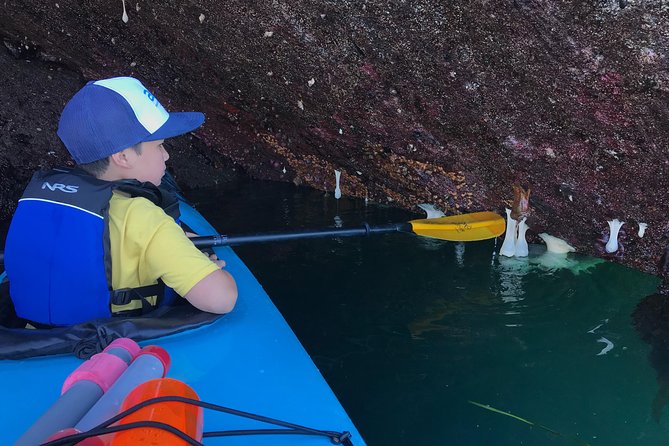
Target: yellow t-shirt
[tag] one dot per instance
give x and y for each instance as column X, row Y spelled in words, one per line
column 147, row 245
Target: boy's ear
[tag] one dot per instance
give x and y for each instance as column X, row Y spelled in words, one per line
column 122, row 158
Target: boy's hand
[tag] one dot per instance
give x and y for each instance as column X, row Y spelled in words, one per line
column 214, row 258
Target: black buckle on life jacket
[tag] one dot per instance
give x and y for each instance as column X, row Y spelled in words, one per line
column 124, row 296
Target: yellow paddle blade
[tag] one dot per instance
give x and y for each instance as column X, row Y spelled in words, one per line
column 462, row 228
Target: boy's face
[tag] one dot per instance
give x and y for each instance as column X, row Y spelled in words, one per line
column 150, row 163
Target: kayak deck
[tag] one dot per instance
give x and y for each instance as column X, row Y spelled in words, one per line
column 249, row 360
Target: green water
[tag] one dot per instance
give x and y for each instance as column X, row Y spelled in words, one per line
column 407, row 330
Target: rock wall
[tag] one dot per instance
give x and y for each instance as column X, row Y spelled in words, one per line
column 418, row 101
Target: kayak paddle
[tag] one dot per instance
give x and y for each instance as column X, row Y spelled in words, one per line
column 456, row 228
column 460, row 228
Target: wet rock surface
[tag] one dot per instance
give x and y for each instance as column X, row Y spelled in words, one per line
column 450, row 103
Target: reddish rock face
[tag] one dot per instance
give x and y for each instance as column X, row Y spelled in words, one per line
column 450, row 103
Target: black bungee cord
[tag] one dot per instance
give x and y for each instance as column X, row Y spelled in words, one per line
column 337, row 438
column 99, row 431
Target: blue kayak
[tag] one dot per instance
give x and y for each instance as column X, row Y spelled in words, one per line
column 249, row 360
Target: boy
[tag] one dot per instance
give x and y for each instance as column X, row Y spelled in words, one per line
column 101, row 231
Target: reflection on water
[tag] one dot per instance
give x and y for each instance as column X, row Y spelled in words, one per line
column 406, row 329
column 460, row 254
column 549, row 262
column 508, row 274
column 511, row 270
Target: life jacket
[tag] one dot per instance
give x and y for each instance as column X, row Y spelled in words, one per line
column 57, row 253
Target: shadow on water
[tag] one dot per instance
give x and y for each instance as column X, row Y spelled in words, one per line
column 651, row 319
column 407, row 330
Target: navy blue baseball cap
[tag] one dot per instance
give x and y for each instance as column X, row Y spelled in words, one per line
column 110, row 115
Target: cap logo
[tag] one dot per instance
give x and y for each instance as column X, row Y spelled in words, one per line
column 146, row 107
column 151, row 97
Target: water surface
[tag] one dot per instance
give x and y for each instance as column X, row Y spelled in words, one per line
column 408, row 330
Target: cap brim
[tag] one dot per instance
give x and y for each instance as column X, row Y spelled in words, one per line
column 177, row 124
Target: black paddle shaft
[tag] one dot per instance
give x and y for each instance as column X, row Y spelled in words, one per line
column 236, row 240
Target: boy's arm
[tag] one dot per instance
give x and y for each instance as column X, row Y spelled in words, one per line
column 171, row 256
column 216, row 293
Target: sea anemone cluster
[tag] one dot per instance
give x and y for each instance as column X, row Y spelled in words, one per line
column 609, row 244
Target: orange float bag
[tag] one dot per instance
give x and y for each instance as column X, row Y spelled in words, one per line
column 185, row 417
